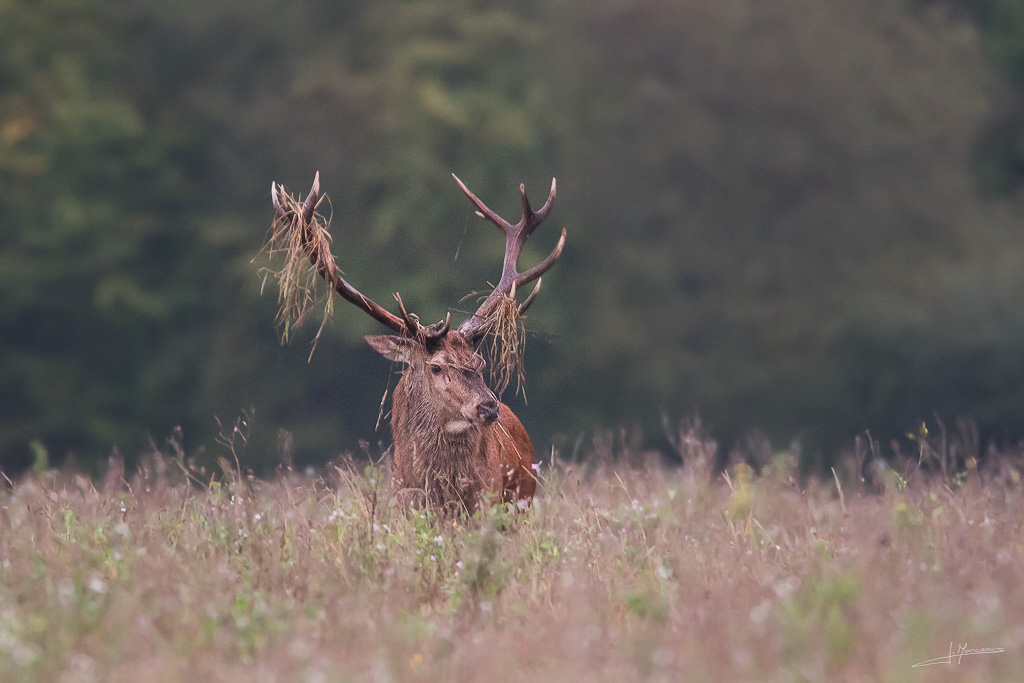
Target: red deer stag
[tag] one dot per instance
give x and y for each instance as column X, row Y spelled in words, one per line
column 455, row 443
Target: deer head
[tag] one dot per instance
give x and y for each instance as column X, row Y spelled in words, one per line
column 445, row 378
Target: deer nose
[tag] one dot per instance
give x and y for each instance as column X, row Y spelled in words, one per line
column 488, row 410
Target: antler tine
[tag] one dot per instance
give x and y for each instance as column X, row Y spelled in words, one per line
column 412, row 321
column 308, row 206
column 531, row 219
column 440, row 328
column 312, row 199
column 533, row 295
column 278, row 209
column 542, row 267
column 482, row 210
column 413, row 326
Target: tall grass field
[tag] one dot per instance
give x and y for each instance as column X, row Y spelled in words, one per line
column 629, row 566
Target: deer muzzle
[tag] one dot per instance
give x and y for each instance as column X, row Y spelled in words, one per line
column 487, row 410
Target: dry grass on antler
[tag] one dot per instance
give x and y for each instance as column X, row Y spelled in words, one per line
column 505, row 345
column 305, row 248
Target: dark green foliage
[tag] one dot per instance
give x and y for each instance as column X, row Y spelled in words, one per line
column 1001, row 146
column 774, row 211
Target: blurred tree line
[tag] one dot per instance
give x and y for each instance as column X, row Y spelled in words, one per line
column 797, row 217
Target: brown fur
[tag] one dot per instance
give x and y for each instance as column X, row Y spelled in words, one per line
column 447, row 452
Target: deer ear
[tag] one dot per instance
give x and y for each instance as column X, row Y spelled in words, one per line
column 392, row 347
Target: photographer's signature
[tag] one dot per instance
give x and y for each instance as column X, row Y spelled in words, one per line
column 961, row 651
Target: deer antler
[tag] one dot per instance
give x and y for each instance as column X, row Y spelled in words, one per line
column 315, row 242
column 516, row 235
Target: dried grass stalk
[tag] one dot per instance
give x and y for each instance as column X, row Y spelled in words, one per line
column 505, row 344
column 305, row 248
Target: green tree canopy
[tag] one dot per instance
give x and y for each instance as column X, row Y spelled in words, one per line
column 780, row 214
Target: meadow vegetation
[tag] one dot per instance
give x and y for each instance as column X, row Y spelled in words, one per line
column 629, row 566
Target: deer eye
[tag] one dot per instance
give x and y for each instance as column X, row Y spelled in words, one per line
column 435, row 368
